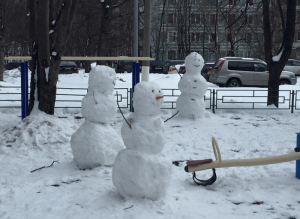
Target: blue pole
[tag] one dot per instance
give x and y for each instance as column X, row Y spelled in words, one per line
column 24, row 89
column 297, row 149
column 133, row 83
column 133, row 75
column 137, row 72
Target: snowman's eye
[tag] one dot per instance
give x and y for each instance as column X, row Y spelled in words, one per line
column 195, row 80
column 159, row 91
column 152, row 91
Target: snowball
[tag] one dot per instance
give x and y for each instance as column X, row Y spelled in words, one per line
column 147, row 98
column 194, row 63
column 193, row 84
column 146, row 134
column 99, row 108
column 190, row 106
column 95, row 144
column 141, row 175
column 103, row 77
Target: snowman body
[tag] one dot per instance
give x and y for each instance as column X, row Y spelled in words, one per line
column 140, row 170
column 96, row 143
column 193, row 87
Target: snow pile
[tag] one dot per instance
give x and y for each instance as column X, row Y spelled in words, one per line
column 36, row 132
column 13, row 73
column 96, row 143
column 140, row 170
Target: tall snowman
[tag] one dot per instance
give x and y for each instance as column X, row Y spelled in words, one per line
column 193, row 87
column 140, row 170
column 96, row 143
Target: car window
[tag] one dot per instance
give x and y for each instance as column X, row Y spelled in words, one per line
column 259, row 67
column 218, row 63
column 207, row 66
column 232, row 65
column 245, row 66
column 296, row 63
column 67, row 64
column 289, row 62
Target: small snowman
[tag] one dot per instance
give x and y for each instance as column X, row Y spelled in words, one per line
column 96, row 143
column 140, row 170
column 193, row 87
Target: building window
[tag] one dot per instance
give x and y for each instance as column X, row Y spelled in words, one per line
column 250, row 19
column 172, row 36
column 195, row 18
column 212, row 19
column 298, row 35
column 231, row 2
column 248, row 37
column 212, row 38
column 250, row 2
column 171, row 18
column 171, row 54
column 172, row 2
column 246, row 54
column 198, row 18
column 193, row 2
column 231, row 18
column 197, row 37
column 192, row 37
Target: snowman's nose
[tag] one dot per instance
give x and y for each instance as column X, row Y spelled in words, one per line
column 159, row 97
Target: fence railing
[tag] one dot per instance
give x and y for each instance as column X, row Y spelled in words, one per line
column 214, row 99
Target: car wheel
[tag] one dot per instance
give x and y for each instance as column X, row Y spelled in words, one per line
column 283, row 82
column 233, row 83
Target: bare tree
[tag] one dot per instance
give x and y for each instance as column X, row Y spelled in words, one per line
column 1, row 40
column 51, row 24
column 108, row 15
column 276, row 64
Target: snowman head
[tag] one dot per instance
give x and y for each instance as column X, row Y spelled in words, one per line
column 147, row 98
column 194, row 63
column 102, row 77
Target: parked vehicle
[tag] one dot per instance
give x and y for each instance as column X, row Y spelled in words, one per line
column 293, row 65
column 182, row 69
column 123, row 66
column 67, row 67
column 157, row 66
column 237, row 72
column 205, row 70
column 170, row 63
column 12, row 65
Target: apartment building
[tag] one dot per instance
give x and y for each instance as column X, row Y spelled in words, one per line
column 214, row 28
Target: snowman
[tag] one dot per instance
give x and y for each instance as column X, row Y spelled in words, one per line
column 96, row 143
column 140, row 170
column 193, row 87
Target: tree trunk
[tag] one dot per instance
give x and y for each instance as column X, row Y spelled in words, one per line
column 103, row 34
column 87, row 66
column 45, row 71
column 276, row 67
column 1, row 41
column 1, row 57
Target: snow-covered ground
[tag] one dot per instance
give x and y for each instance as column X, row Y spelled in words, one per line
column 64, row 191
